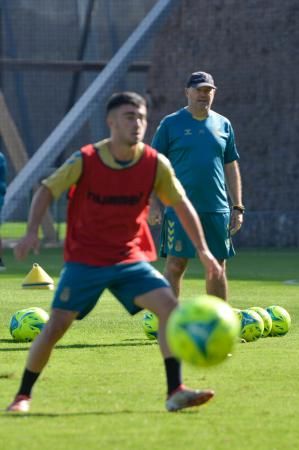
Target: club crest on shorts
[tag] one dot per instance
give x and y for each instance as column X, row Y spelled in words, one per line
column 178, row 246
column 65, row 294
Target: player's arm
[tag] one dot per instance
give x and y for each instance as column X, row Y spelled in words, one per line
column 234, row 187
column 160, row 142
column 51, row 188
column 155, row 213
column 40, row 202
column 171, row 193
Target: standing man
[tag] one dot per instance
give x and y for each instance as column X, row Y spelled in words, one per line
column 108, row 243
column 3, row 170
column 201, row 147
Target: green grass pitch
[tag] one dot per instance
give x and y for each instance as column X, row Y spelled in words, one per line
column 104, row 387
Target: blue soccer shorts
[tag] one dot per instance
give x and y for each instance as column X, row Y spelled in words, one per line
column 174, row 240
column 81, row 286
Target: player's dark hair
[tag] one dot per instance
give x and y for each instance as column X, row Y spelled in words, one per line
column 124, row 98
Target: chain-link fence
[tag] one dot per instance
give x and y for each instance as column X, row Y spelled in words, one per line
column 52, row 53
column 52, row 58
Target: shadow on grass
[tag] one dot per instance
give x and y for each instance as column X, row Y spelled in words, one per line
column 89, row 413
column 126, row 343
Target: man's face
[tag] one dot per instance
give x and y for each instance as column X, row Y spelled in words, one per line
column 128, row 124
column 200, row 99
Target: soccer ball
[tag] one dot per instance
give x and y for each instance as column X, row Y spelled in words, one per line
column 266, row 319
column 237, row 311
column 15, row 322
column 281, row 320
column 202, row 331
column 252, row 325
column 150, row 325
column 26, row 324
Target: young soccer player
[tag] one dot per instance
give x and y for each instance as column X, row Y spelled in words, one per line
column 108, row 243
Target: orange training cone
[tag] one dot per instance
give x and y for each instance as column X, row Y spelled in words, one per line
column 37, row 278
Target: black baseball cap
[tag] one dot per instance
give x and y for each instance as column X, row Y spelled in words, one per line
column 199, row 79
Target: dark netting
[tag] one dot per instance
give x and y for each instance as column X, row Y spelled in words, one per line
column 51, row 52
column 251, row 48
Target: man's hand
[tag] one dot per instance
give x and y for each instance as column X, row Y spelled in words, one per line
column 155, row 216
column 236, row 221
column 29, row 242
column 211, row 265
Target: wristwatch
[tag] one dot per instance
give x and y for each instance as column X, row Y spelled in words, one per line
column 240, row 208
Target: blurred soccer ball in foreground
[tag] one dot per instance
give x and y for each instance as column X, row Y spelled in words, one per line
column 202, row 331
column 237, row 312
column 150, row 325
column 281, row 320
column 27, row 323
column 252, row 325
column 266, row 319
